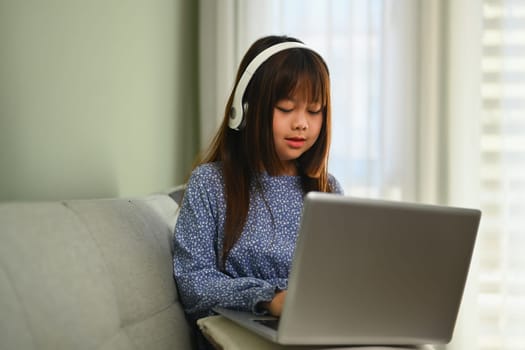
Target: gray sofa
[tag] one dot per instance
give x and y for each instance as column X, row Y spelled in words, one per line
column 97, row 275
column 90, row 274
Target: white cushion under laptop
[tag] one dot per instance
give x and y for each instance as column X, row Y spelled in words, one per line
column 372, row 272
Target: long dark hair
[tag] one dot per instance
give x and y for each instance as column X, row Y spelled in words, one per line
column 247, row 152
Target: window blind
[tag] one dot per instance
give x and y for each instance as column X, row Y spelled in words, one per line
column 502, row 233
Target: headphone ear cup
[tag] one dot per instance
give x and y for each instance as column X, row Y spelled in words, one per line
column 244, row 111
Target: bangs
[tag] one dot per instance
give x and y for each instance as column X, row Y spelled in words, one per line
column 302, row 75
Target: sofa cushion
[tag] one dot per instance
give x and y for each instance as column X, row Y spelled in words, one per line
column 89, row 274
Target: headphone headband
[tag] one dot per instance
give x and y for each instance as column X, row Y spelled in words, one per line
column 237, row 110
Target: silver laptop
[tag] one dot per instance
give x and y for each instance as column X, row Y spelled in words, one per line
column 372, row 272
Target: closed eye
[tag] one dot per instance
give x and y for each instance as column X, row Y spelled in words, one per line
column 315, row 108
column 315, row 111
column 284, row 110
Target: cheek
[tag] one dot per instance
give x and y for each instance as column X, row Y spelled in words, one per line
column 275, row 131
column 275, row 122
column 277, row 125
column 274, row 125
column 316, row 126
column 315, row 129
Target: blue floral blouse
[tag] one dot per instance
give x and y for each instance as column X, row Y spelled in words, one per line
column 260, row 261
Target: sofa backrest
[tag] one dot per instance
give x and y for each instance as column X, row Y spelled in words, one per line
column 89, row 274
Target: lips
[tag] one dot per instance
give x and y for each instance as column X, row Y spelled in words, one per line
column 295, row 142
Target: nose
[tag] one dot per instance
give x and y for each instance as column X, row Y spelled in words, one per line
column 300, row 122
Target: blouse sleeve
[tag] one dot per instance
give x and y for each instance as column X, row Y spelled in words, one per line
column 335, row 185
column 200, row 283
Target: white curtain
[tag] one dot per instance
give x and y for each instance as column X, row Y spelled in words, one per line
column 386, row 131
column 462, row 31
column 428, row 106
column 502, row 181
column 486, row 94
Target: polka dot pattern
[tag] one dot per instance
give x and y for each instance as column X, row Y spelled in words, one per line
column 260, row 261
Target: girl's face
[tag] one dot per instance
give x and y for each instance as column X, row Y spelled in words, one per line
column 296, row 126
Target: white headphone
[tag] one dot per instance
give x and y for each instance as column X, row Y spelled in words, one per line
column 237, row 110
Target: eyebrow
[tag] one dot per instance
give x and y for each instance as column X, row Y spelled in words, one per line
column 295, row 101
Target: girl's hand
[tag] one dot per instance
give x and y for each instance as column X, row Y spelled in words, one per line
column 275, row 307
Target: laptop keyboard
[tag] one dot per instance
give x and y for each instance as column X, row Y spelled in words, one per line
column 273, row 323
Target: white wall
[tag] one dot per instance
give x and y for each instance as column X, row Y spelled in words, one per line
column 97, row 98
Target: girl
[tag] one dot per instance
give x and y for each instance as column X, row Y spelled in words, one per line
column 238, row 223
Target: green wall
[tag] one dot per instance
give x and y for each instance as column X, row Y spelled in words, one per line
column 97, row 98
